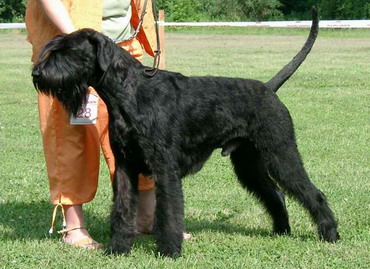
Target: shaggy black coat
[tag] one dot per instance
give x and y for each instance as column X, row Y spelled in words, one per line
column 168, row 126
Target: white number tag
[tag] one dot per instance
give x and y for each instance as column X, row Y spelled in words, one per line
column 88, row 113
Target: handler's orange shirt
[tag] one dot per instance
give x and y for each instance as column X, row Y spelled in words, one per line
column 85, row 14
column 72, row 152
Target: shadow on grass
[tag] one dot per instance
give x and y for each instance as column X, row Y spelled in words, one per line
column 31, row 221
column 21, row 220
column 196, row 226
column 219, row 226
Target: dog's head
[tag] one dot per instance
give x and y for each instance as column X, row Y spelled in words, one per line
column 68, row 64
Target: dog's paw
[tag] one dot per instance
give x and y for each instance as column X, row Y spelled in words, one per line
column 169, row 253
column 329, row 233
column 111, row 250
column 170, row 246
column 282, row 228
column 118, row 247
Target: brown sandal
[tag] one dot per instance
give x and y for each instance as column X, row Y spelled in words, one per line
column 85, row 242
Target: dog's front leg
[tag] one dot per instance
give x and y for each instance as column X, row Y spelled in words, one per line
column 123, row 211
column 169, row 221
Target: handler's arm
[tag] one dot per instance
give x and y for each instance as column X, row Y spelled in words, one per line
column 58, row 15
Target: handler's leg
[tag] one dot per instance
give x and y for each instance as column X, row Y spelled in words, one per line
column 72, row 161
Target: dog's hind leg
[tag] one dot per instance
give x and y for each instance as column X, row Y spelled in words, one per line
column 169, row 216
column 122, row 219
column 287, row 169
column 253, row 176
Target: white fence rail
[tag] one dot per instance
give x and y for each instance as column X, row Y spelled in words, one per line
column 12, row 25
column 281, row 24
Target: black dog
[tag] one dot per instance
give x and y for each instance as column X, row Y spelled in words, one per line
column 168, row 126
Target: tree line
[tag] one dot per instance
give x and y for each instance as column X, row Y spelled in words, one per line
column 262, row 10
column 232, row 10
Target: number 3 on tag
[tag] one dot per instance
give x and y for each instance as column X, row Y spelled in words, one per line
column 88, row 113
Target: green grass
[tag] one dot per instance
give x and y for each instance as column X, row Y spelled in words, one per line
column 329, row 101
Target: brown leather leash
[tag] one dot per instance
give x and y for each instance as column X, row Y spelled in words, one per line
column 150, row 71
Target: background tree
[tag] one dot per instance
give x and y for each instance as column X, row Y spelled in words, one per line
column 217, row 10
column 329, row 9
column 233, row 10
column 180, row 10
column 259, row 10
column 297, row 9
column 12, row 10
column 345, row 9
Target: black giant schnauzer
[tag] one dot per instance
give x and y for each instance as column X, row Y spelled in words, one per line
column 168, row 125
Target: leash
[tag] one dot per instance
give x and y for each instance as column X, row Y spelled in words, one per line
column 140, row 23
column 157, row 53
column 150, row 71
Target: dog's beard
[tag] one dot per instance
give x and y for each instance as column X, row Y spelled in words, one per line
column 70, row 95
column 63, row 82
column 73, row 97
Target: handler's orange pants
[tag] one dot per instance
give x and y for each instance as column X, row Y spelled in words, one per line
column 72, row 152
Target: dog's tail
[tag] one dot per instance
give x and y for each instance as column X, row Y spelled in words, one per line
column 284, row 74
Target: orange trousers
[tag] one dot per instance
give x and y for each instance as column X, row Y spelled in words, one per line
column 72, row 152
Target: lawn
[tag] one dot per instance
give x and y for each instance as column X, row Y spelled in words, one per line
column 329, row 100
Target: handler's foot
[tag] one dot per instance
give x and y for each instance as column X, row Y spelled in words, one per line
column 186, row 236
column 145, row 216
column 75, row 233
column 80, row 237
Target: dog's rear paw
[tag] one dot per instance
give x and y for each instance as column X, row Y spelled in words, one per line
column 329, row 233
column 330, row 236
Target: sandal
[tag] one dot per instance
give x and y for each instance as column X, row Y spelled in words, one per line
column 85, row 242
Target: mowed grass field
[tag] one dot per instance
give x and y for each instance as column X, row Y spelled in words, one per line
column 329, row 100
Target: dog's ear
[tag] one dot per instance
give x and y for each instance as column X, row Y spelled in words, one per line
column 104, row 50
